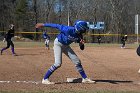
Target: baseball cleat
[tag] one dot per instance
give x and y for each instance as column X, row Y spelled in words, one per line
column 15, row 54
column 47, row 82
column 123, row 47
column 87, row 80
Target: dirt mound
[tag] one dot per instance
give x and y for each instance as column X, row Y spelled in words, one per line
column 111, row 67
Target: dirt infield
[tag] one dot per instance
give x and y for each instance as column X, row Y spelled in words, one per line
column 112, row 68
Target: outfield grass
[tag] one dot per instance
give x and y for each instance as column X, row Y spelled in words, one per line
column 25, row 44
column 41, row 44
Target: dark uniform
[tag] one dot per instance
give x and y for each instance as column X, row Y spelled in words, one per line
column 99, row 39
column 8, row 38
column 123, row 40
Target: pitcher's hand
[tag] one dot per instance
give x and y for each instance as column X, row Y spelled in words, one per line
column 39, row 25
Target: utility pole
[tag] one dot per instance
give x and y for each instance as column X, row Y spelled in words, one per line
column 68, row 13
column 137, row 27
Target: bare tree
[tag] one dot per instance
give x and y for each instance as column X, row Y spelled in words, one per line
column 118, row 15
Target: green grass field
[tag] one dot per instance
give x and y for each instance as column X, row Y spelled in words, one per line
column 41, row 44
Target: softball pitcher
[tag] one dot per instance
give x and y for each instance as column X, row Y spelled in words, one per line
column 8, row 38
column 67, row 35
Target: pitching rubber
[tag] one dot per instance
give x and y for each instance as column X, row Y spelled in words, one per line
column 74, row 80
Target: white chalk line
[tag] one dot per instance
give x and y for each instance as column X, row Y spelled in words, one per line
column 39, row 82
column 26, row 82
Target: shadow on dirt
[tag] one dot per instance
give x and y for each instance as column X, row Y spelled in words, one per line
column 113, row 81
column 79, row 80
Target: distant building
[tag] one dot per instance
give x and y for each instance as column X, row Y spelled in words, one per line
column 98, row 25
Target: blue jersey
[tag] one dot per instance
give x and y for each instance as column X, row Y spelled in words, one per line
column 45, row 36
column 67, row 34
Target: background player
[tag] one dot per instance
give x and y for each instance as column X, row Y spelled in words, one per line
column 99, row 39
column 123, row 40
column 9, row 35
column 67, row 35
column 47, row 39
